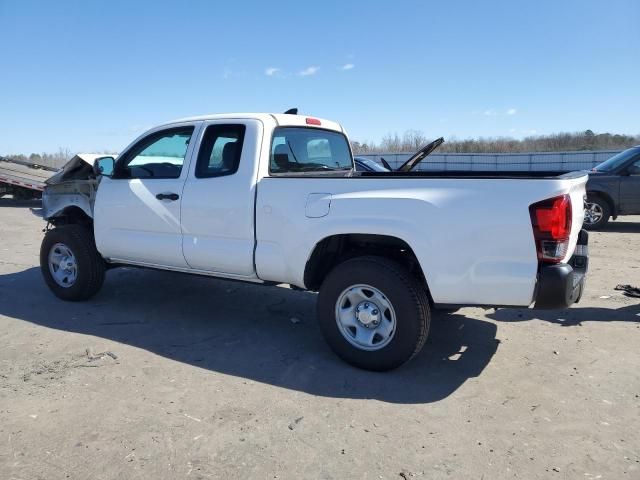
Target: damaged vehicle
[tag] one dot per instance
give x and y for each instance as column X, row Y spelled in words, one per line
column 75, row 186
column 275, row 198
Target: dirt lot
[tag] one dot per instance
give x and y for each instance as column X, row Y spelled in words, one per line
column 207, row 379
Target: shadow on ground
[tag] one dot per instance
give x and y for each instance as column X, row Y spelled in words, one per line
column 246, row 330
column 622, row 227
column 570, row 317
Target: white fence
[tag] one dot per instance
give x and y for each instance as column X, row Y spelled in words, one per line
column 552, row 161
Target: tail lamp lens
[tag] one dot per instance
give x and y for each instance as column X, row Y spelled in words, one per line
column 551, row 222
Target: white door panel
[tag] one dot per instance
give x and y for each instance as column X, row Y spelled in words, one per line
column 132, row 224
column 218, row 211
column 138, row 219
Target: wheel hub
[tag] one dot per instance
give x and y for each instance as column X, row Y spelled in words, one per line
column 62, row 265
column 593, row 213
column 365, row 317
column 368, row 314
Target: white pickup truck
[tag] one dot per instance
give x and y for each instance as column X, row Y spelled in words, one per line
column 274, row 198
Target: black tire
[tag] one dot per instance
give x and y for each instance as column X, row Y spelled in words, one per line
column 89, row 264
column 406, row 294
column 601, row 204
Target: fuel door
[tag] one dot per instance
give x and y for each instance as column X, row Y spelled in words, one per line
column 318, row 205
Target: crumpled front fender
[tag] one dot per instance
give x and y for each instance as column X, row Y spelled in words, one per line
column 57, row 199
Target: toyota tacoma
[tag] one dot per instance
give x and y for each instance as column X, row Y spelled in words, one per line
column 275, row 198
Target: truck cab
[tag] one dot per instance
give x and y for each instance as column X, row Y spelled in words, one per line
column 183, row 196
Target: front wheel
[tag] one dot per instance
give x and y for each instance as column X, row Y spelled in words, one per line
column 596, row 212
column 70, row 264
column 373, row 313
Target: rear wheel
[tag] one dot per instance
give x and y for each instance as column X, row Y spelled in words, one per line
column 373, row 313
column 597, row 212
column 70, row 264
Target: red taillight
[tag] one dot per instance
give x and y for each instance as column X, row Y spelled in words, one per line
column 551, row 221
column 313, row 121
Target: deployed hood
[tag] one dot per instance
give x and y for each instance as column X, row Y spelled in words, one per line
column 80, row 167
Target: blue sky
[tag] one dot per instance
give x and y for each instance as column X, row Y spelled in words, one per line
column 92, row 75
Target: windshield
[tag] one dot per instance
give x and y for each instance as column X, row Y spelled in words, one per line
column 617, row 160
column 299, row 149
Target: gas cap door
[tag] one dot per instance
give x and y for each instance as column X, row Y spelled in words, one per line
column 318, row 205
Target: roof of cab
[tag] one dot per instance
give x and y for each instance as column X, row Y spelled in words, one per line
column 281, row 119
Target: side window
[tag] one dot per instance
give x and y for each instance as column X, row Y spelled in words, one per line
column 220, row 151
column 634, row 168
column 160, row 155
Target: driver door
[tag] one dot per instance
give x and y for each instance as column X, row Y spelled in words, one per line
column 137, row 210
column 630, row 190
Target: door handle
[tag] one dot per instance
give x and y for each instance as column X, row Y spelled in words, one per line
column 168, row 196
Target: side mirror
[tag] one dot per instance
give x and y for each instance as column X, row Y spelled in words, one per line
column 104, row 166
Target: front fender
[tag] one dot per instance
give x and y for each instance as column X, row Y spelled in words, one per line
column 56, row 202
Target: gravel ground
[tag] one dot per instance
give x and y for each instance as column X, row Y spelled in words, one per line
column 170, row 376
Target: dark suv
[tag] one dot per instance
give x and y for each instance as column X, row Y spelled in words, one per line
column 613, row 189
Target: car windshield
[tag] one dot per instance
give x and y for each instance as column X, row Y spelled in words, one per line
column 300, row 149
column 614, row 162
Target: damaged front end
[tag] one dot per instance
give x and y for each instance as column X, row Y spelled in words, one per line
column 72, row 191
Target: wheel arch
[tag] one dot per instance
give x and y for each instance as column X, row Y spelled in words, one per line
column 71, row 214
column 607, row 198
column 336, row 248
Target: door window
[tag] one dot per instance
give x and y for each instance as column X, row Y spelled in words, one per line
column 634, row 168
column 160, row 155
column 220, row 151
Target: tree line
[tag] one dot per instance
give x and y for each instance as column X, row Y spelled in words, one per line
column 412, row 140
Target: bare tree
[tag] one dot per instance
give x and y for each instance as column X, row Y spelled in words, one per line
column 412, row 140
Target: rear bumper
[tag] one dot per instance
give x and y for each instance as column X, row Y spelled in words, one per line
column 561, row 285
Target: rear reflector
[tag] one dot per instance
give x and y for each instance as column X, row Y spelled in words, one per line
column 313, row 121
column 551, row 222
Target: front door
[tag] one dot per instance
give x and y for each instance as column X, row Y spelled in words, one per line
column 137, row 211
column 630, row 190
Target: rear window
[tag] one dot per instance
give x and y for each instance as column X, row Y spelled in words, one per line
column 308, row 150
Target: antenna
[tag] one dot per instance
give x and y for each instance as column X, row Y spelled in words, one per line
column 291, row 111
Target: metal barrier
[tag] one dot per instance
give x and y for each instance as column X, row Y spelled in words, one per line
column 552, row 161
